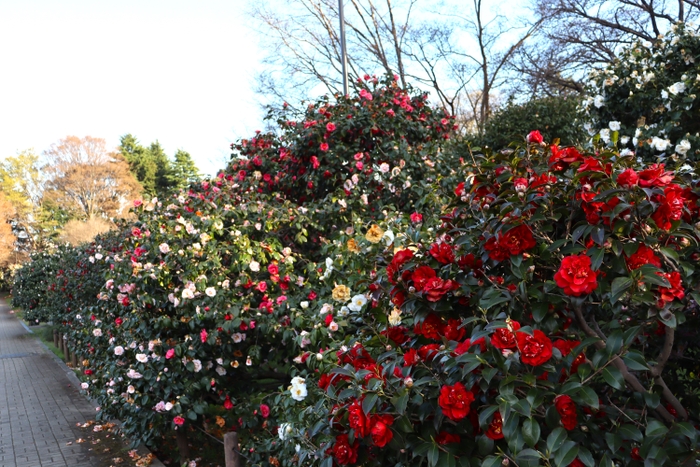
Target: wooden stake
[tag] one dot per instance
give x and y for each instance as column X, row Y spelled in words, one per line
column 182, row 446
column 231, row 449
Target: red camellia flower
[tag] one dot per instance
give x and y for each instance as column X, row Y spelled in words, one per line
column 628, row 178
column 561, row 158
column 343, row 452
column 179, row 421
column 577, row 463
column 590, row 164
column 381, row 434
column 459, row 190
column 444, row 438
column 655, row 176
column 495, row 430
column 667, row 294
column 396, row 334
column 435, row 288
column 535, row 349
column 455, row 401
column 410, row 358
column 264, row 410
column 634, row 454
column 511, row 243
column 431, row 327
column 421, row 275
column 567, row 411
column 670, row 207
column 453, row 330
column 427, row 352
column 416, row 218
column 203, row 336
column 442, row 252
column 118, row 321
column 535, row 137
column 575, row 275
column 357, row 420
column 520, row 184
column 643, row 255
column 228, row 405
column 504, row 338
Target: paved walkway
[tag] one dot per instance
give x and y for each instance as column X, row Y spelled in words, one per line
column 40, row 404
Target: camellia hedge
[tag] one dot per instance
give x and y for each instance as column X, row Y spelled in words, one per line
column 349, row 293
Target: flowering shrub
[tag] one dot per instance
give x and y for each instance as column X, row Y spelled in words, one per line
column 534, row 327
column 646, row 99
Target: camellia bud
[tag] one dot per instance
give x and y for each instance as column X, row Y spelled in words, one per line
column 408, row 381
column 388, row 348
column 319, row 356
column 684, row 242
column 505, row 462
column 647, row 228
column 584, row 428
column 412, row 289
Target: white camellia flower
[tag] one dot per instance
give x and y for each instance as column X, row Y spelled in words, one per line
column 133, row 374
column 141, row 357
column 97, row 332
column 599, row 101
column 388, row 237
column 683, row 147
column 298, row 388
column 254, row 266
column 187, row 293
column 221, row 370
column 164, row 248
column 357, row 302
column 131, row 389
column 304, row 304
column 384, row 167
column 197, row 366
column 677, row 88
column 284, row 430
column 210, row 291
column 614, row 126
column 605, row 135
column 84, row 385
column 660, row 144
column 168, row 406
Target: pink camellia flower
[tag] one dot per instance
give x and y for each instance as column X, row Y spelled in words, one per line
column 323, row 147
column 416, row 217
column 314, row 160
column 535, row 137
column 264, row 410
column 359, row 156
column 179, row 421
column 137, row 203
column 359, row 165
column 330, row 126
column 170, row 354
column 203, row 335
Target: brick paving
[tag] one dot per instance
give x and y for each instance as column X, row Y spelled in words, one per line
column 40, row 404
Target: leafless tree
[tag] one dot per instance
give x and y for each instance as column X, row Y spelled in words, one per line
column 460, row 58
column 578, row 35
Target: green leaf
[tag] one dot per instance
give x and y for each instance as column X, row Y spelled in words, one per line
column 369, row 401
column 433, row 455
column 531, row 432
column 619, row 287
column 655, row 429
column 528, row 456
column 614, row 342
column 486, row 415
column 613, row 377
column 555, row 439
column 566, row 454
column 486, row 304
column 635, row 361
column 629, row 431
column 614, row 441
column 488, row 374
column 589, row 397
column 447, row 459
column 585, row 456
column 401, row 403
column 597, row 255
column 491, row 461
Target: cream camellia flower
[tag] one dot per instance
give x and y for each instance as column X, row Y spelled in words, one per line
column 254, row 266
column 197, row 366
column 97, row 332
column 614, row 126
column 164, row 248
column 210, row 291
column 143, row 358
column 119, row 350
column 187, row 293
column 341, row 293
column 133, row 374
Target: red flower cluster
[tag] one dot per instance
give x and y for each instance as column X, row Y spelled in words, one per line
column 495, row 429
column 504, row 338
column 344, row 452
column 670, row 207
column 575, row 276
column 514, row 242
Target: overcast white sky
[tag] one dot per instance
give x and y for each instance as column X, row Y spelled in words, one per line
column 179, row 71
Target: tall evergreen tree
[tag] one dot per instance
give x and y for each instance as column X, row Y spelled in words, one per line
column 183, row 170
column 141, row 164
